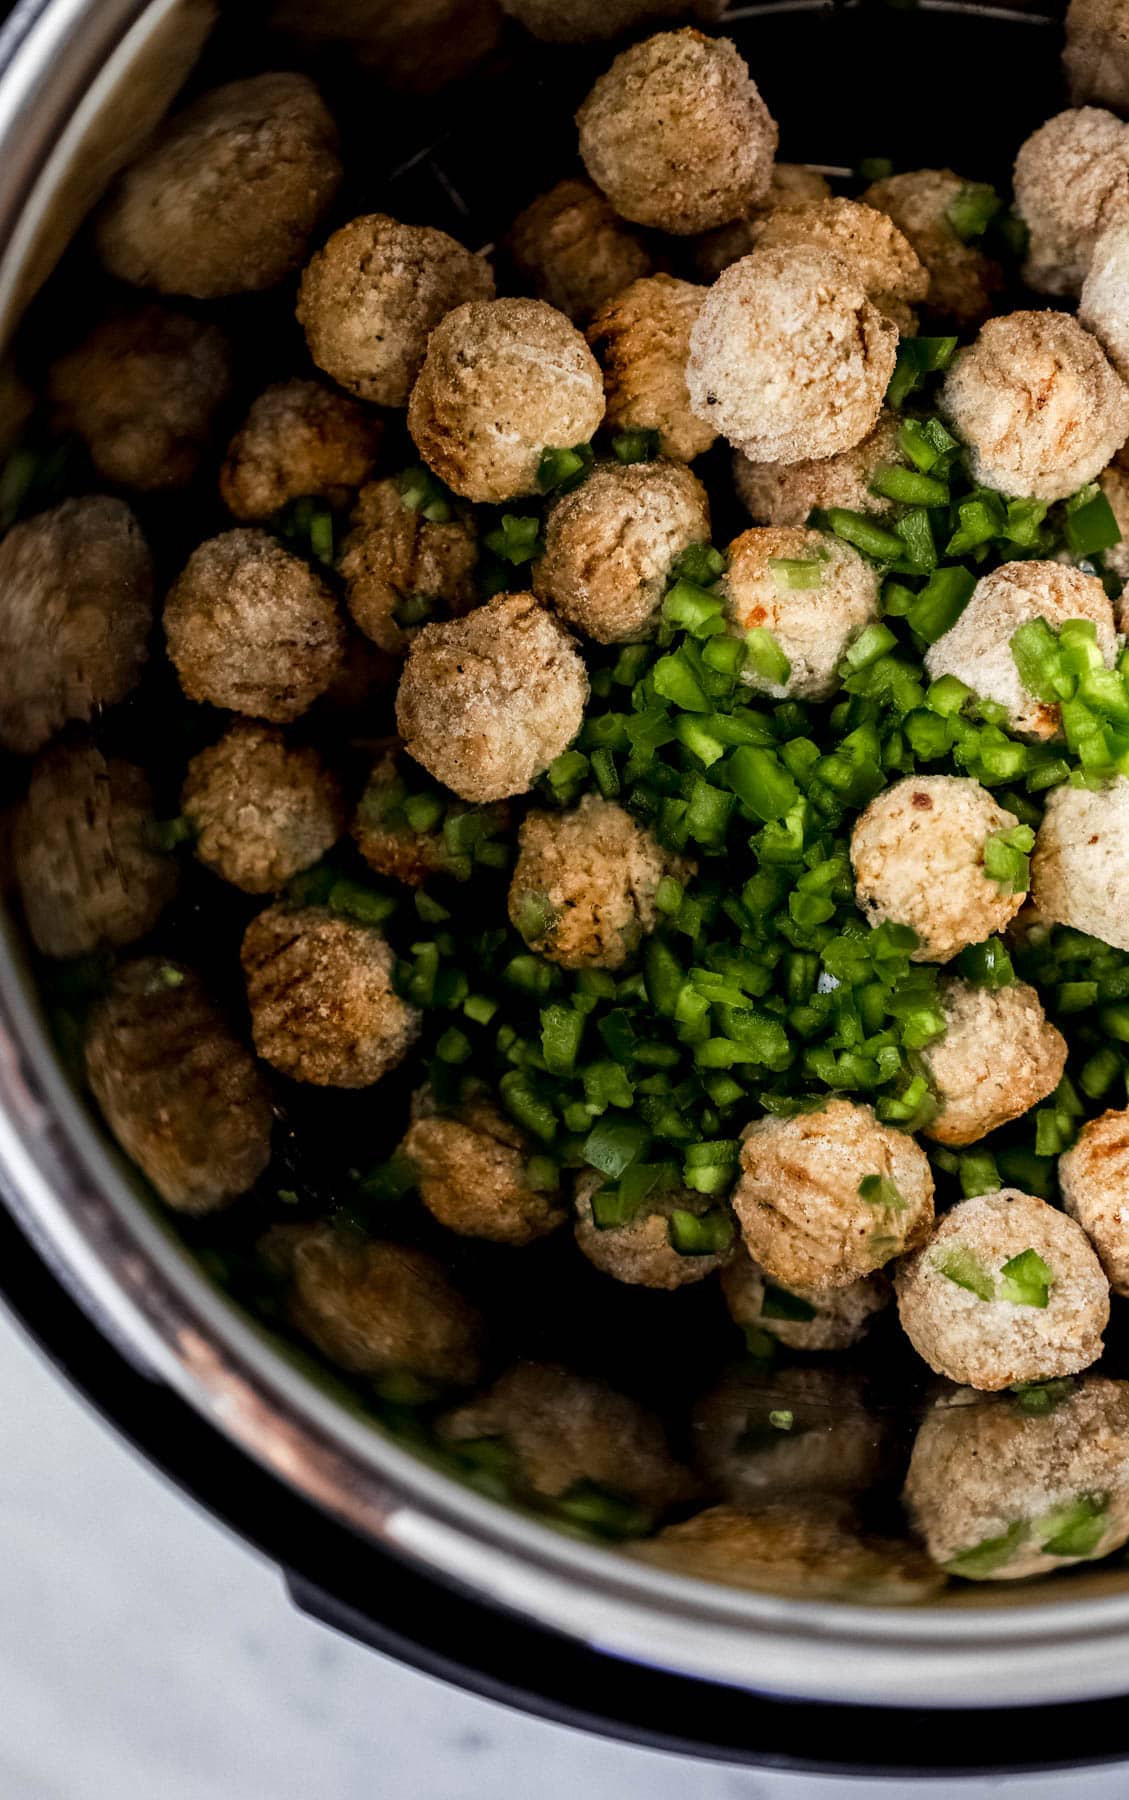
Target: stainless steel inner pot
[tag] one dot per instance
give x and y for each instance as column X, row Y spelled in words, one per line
column 81, row 82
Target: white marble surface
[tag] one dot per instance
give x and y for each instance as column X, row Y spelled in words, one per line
column 144, row 1655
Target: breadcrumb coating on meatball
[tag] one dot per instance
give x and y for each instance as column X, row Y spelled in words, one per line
column 76, row 610
column 1093, row 1177
column 226, row 197
column 299, row 438
column 1080, row 865
column 1000, row 1493
column 374, row 292
column 1115, row 486
column 1037, row 404
column 502, row 381
column 1096, row 55
column 591, row 21
column 89, row 873
column 917, row 851
column 984, row 1338
column 571, row 249
column 962, row 279
column 142, row 391
column 377, row 1309
column 814, row 626
column 251, row 627
column 610, row 545
column 798, row 1203
column 788, row 1432
column 323, row 1008
column 677, row 135
column 1071, row 182
column 486, row 703
column 391, row 845
column 397, row 564
column 792, row 184
column 182, row 1096
column 470, row 1168
column 999, row 1056
column 869, row 241
column 977, row 649
column 642, row 341
column 262, row 809
column 1103, row 307
column 789, row 358
column 803, row 1318
column 787, row 493
column 640, row 1252
column 584, row 885
column 566, row 1428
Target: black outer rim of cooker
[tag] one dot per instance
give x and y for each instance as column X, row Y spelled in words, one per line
column 383, row 1602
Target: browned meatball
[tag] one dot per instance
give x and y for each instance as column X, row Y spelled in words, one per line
column 401, row 833
column 642, row 1251
column 76, row 608
column 869, row 241
column 962, row 280
column 323, row 1008
column 791, row 184
column 181, row 1094
column 415, row 46
column 142, row 391
column 470, row 1168
column 486, row 703
column 89, row 872
column 372, row 295
column 803, row 1318
column 262, row 809
column 782, row 493
column 298, row 438
column 399, row 566
column 571, row 249
column 502, row 382
column 252, row 628
column 226, row 197
column 642, row 340
column 676, row 133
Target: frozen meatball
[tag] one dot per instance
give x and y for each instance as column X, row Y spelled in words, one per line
column 789, row 358
column 252, row 628
column 802, row 1318
column 470, row 1168
column 828, row 1196
column 1071, row 182
column 89, row 872
column 1007, row 1289
column 792, row 184
column 869, row 241
column 590, row 21
column 962, row 280
column 383, row 1311
column 502, row 382
column 583, row 888
column 226, row 197
column 1104, row 304
column 184, row 1098
column 374, row 292
column 814, row 610
column 1037, row 404
column 76, row 609
column 1096, row 57
column 807, row 1548
column 977, row 649
column 298, row 439
column 789, row 1432
column 417, row 47
column 1094, row 1179
column 323, row 1007
column 610, row 545
column 783, row 493
column 642, row 341
column 1115, row 487
column 1080, row 868
column 261, row 809
column 999, row 1056
column 486, row 703
column 571, row 249
column 412, row 835
column 643, row 1251
column 1007, row 1488
column 565, row 1429
column 142, row 392
column 918, row 856
column 401, row 566
column 677, row 135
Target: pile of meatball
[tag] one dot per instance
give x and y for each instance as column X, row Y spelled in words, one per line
column 681, row 283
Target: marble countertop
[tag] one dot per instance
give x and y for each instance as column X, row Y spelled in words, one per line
column 145, row 1655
